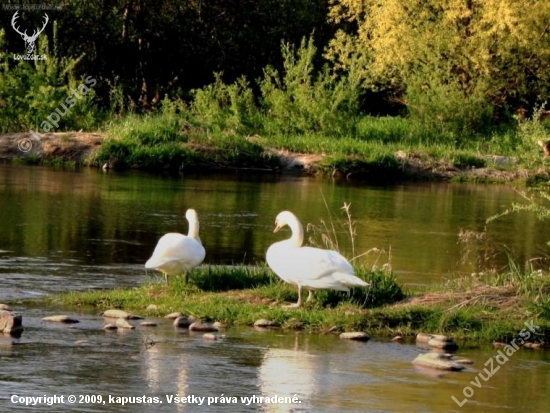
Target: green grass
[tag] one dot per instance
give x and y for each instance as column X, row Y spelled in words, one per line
column 179, row 138
column 492, row 308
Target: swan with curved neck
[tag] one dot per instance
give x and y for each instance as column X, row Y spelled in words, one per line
column 308, row 267
column 177, row 253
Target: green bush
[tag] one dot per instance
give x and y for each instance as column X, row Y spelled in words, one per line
column 442, row 108
column 30, row 93
column 221, row 107
column 301, row 100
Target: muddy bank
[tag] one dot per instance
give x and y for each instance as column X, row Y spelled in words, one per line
column 80, row 148
column 77, row 147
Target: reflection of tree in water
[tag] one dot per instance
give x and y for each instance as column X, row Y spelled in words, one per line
column 287, row 372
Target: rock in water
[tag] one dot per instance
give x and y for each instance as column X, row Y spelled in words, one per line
column 122, row 323
column 200, row 326
column 356, row 335
column 61, row 319
column 437, row 361
column 10, row 322
column 182, row 321
column 442, row 342
column 436, row 341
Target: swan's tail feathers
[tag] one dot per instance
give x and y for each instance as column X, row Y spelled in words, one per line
column 155, row 262
column 350, row 280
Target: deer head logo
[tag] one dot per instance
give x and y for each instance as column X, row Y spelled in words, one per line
column 29, row 40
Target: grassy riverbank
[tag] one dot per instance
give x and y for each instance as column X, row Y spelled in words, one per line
column 160, row 143
column 480, row 308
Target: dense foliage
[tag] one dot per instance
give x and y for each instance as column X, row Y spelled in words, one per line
column 456, row 70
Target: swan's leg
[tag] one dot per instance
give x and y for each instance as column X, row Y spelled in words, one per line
column 299, row 303
column 310, row 296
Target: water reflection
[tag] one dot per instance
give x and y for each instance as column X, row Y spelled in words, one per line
column 326, row 373
column 289, row 372
column 88, row 219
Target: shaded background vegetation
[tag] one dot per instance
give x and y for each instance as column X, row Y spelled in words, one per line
column 457, row 71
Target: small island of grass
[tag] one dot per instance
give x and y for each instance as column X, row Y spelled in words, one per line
column 482, row 308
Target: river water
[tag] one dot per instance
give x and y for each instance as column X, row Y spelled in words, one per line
column 63, row 230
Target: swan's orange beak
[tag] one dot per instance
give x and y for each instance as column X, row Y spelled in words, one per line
column 277, row 228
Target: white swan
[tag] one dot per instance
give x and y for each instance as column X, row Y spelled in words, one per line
column 177, row 253
column 308, row 267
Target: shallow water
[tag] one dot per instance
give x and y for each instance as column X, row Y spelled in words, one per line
column 75, row 230
column 324, row 373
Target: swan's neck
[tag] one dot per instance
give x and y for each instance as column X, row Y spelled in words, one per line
column 297, row 238
column 194, row 229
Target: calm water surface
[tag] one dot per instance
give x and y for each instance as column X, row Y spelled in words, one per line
column 74, row 230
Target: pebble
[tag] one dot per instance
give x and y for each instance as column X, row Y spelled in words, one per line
column 210, row 336
column 109, row 326
column 148, row 324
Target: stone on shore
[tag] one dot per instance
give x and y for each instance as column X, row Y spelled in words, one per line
column 174, row 315
column 529, row 344
column 438, row 361
column 263, row 323
column 114, row 313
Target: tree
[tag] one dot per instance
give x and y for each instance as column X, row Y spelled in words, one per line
column 495, row 52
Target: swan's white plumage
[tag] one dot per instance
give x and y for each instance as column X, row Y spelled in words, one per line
column 308, row 267
column 177, row 253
